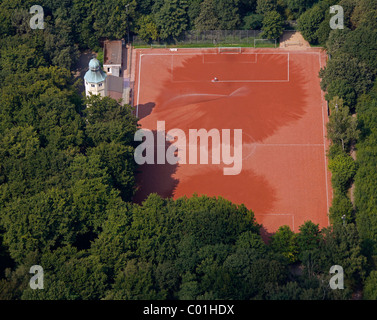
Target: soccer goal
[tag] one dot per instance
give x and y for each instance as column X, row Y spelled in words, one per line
column 229, row 50
column 264, row 43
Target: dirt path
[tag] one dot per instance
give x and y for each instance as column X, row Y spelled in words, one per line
column 293, row 40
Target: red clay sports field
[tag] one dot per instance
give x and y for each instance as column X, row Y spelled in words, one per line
column 274, row 96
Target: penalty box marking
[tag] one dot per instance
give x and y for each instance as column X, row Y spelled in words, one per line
column 287, row 54
column 255, row 60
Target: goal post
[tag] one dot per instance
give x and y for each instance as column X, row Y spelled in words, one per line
column 229, row 50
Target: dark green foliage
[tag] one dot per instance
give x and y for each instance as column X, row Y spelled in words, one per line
column 69, row 275
column 300, row 6
column 67, row 173
column 314, row 23
column 370, row 288
column 308, row 238
column 272, row 25
column 253, row 22
column 266, row 6
column 343, row 89
column 362, row 44
column 284, row 242
column 342, row 127
column 217, row 15
column 309, row 23
column 227, row 11
column 343, row 169
column 366, row 191
column 147, row 29
column 172, row 19
column 341, row 210
column 207, row 18
column 342, row 246
column 336, row 40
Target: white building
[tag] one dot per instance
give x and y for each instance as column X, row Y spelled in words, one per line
column 95, row 79
column 112, row 61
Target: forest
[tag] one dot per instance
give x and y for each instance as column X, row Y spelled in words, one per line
column 67, row 175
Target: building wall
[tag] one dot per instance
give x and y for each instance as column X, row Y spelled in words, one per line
column 95, row 88
column 113, row 70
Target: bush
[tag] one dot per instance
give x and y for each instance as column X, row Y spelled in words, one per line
column 343, row 169
column 253, row 22
column 370, row 288
column 341, row 206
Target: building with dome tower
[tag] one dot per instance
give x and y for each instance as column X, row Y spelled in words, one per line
column 95, row 79
column 115, row 80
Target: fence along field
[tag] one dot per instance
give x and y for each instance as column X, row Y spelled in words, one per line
column 249, row 38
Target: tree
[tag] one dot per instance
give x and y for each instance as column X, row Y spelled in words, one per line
column 284, row 241
column 218, row 14
column 341, row 210
column 69, row 274
column 362, row 44
column 370, row 287
column 341, row 245
column 147, row 29
column 266, row 6
column 172, row 19
column 342, row 127
column 207, row 18
column 309, row 22
column 194, row 9
column 300, row 6
column 342, row 89
column 349, row 69
column 365, row 186
column 308, row 238
column 38, row 223
column 364, row 13
column 336, row 40
column 343, row 169
column 110, row 17
column 253, row 22
column 273, row 25
column 135, row 282
column 119, row 159
column 228, row 15
column 109, row 121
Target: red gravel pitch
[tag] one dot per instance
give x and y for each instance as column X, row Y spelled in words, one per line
column 274, row 96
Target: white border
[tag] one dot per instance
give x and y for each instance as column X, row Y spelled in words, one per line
column 288, row 53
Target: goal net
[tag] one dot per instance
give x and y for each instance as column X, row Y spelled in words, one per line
column 230, row 50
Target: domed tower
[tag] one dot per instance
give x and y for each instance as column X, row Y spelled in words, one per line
column 95, row 79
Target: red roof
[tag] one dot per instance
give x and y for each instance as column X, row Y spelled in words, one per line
column 112, row 52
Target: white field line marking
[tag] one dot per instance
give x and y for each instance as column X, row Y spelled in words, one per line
column 203, row 53
column 288, row 144
column 288, row 67
column 246, row 62
column 138, row 87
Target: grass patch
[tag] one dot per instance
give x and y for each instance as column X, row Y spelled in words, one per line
column 211, row 45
